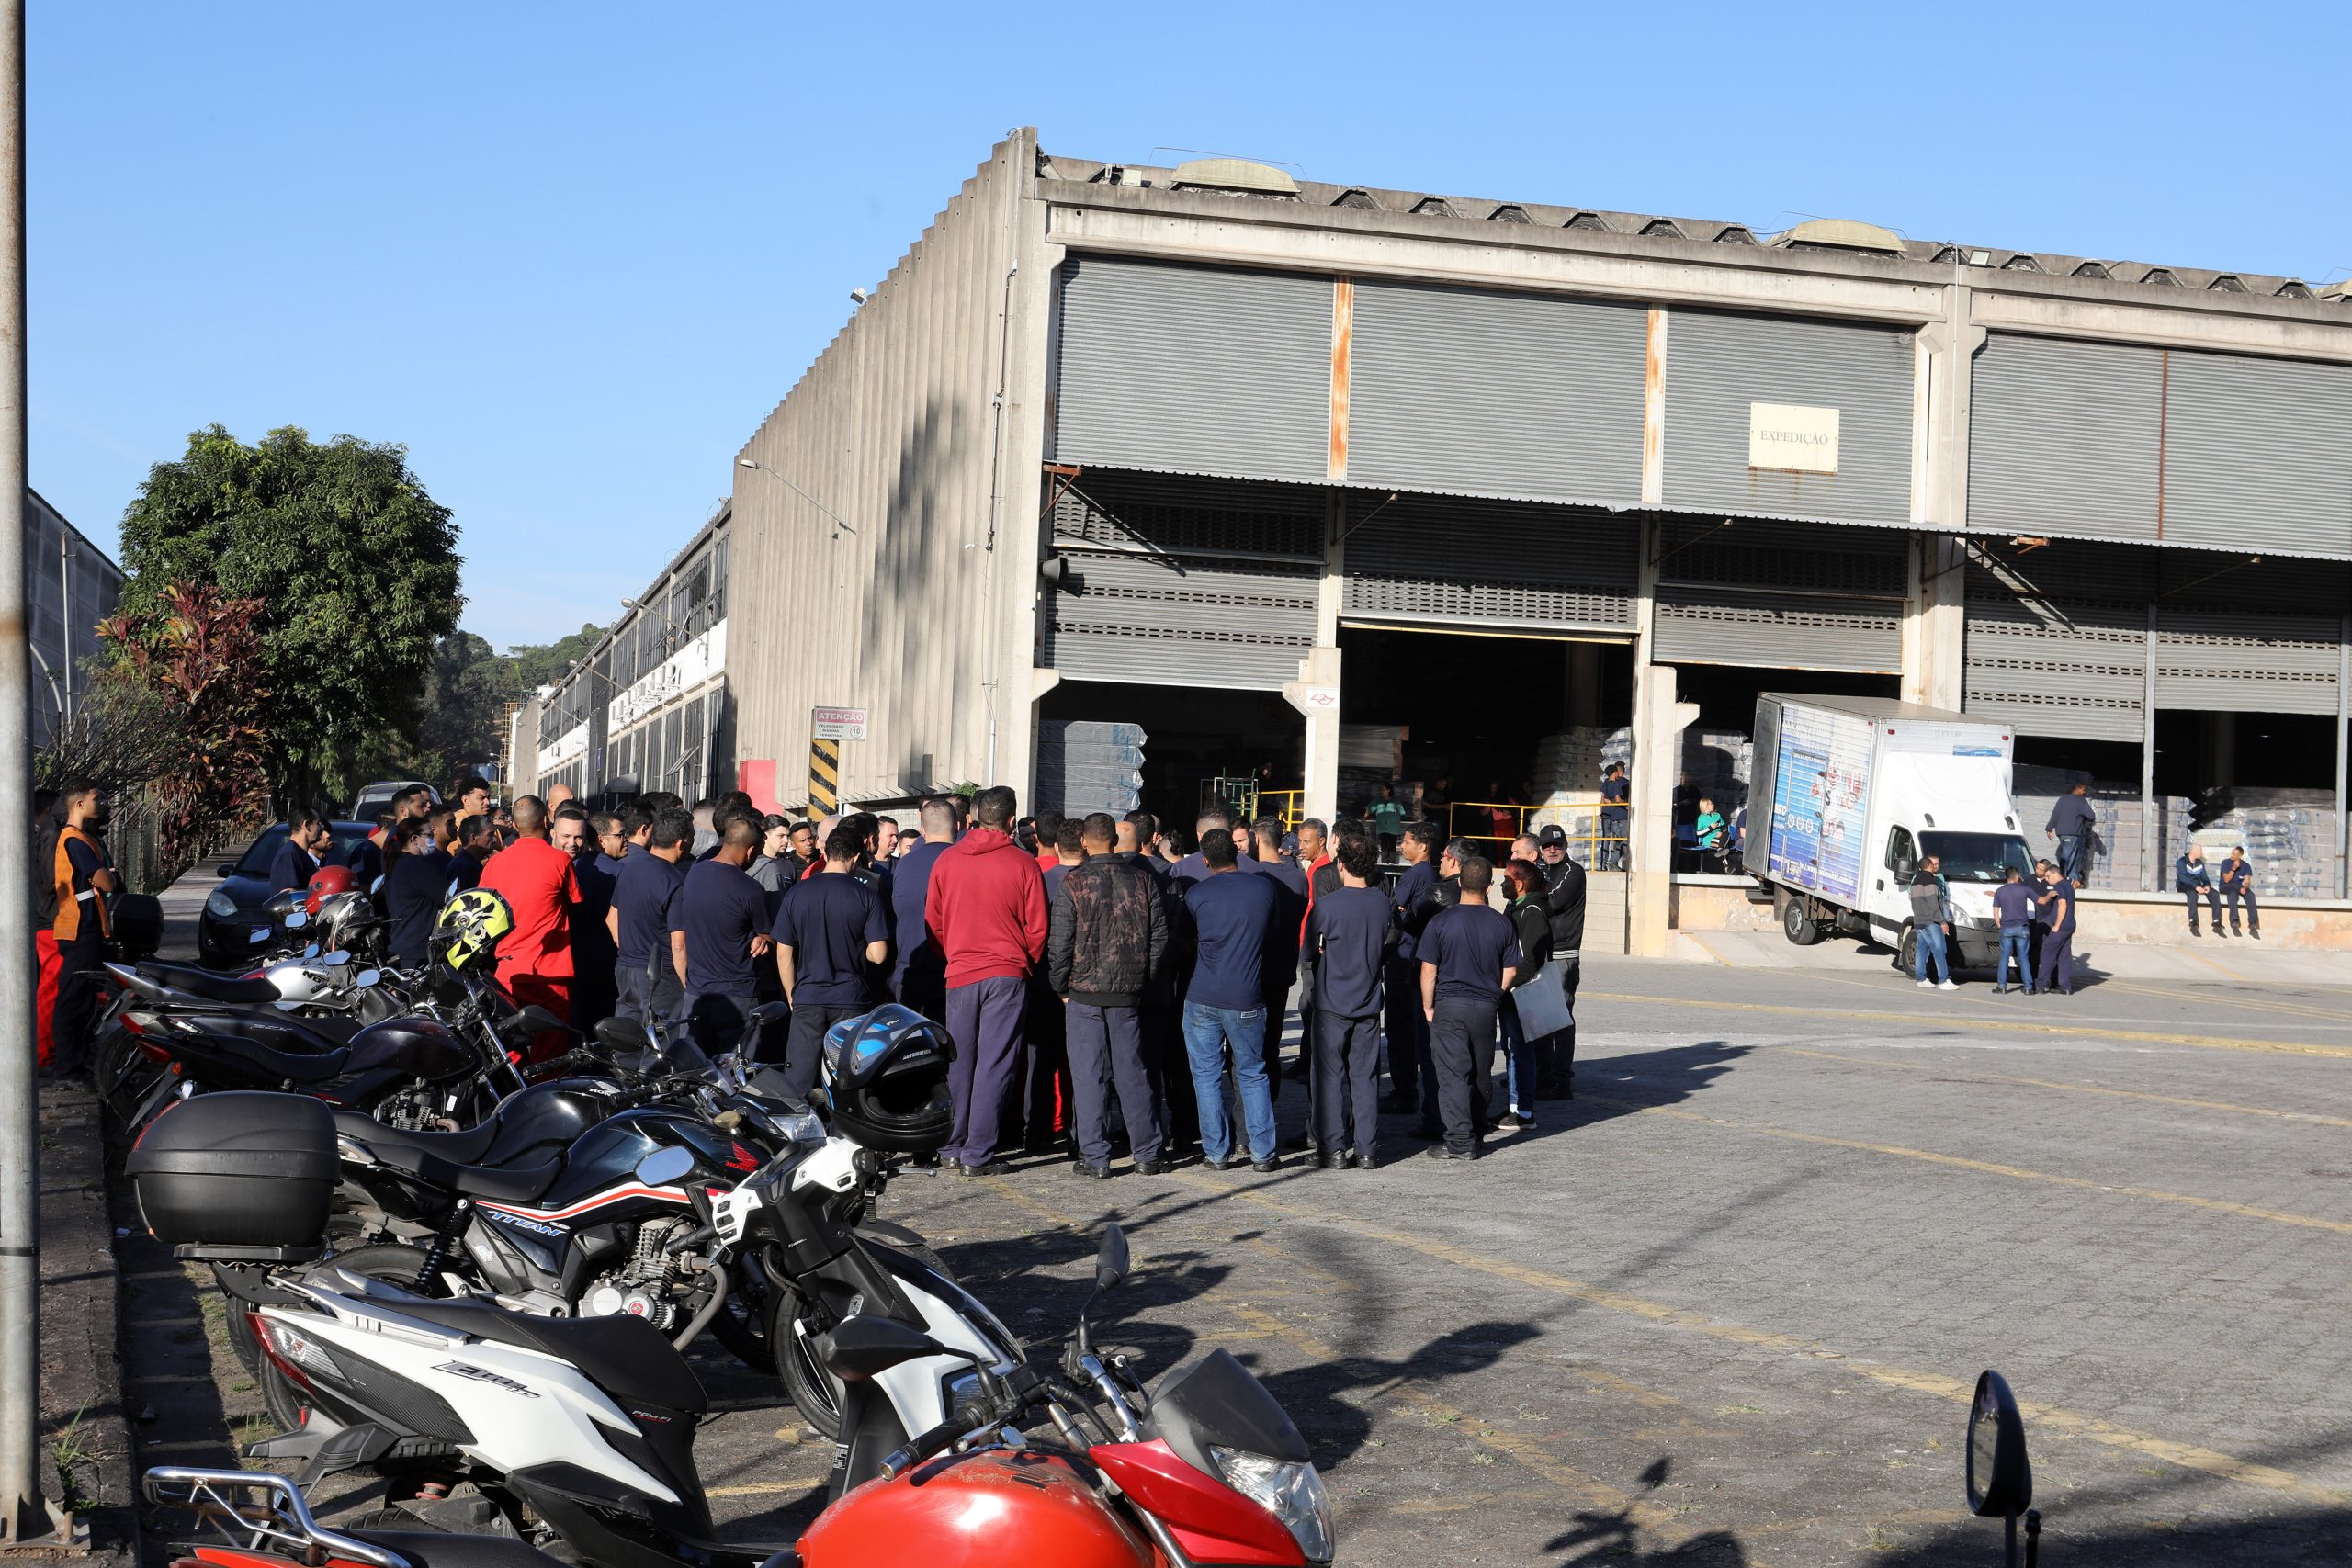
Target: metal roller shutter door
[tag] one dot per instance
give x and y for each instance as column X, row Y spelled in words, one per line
column 2236, row 662
column 2056, row 642
column 1717, row 364
column 1192, row 370
column 1472, row 391
column 1711, row 624
column 1179, row 620
column 2258, row 455
column 1181, row 515
column 2064, row 436
column 1424, row 559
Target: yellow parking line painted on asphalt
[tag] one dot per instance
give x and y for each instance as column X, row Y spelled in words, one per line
column 2311, row 1116
column 1948, row 1021
column 2184, row 1455
column 2259, row 1004
column 766, row 1488
column 1988, row 1168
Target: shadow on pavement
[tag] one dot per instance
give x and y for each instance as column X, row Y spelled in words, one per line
column 2317, row 1537
column 1336, row 1428
column 1618, row 1537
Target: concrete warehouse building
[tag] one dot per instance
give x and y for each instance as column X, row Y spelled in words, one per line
column 1293, row 475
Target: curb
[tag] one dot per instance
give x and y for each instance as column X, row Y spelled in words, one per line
column 83, row 1422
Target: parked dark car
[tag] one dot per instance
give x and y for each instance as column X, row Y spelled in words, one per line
column 234, row 927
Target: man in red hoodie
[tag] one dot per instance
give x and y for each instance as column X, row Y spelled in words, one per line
column 539, row 885
column 986, row 908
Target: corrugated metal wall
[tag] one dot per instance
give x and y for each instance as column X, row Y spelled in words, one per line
column 2258, row 449
column 1481, row 392
column 1192, row 370
column 2064, row 436
column 1718, row 364
column 1780, row 595
column 1489, row 562
column 1183, row 582
column 893, row 430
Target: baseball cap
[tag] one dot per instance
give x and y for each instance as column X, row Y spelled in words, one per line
column 1552, row 834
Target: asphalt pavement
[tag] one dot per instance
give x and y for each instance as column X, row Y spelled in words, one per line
column 1726, row 1305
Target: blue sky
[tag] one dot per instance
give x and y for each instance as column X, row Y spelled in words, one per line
column 570, row 255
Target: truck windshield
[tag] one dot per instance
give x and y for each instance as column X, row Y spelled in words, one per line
column 1977, row 857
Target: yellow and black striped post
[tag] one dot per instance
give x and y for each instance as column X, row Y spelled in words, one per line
column 825, row 774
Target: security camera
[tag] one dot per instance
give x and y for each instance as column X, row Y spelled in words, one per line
column 859, row 295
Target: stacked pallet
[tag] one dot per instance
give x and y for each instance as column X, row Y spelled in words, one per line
column 1088, row 765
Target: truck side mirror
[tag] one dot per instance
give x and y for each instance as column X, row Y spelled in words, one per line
column 1906, row 869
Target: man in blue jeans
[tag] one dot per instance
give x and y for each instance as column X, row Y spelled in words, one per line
column 2013, row 900
column 1931, row 924
column 1233, row 920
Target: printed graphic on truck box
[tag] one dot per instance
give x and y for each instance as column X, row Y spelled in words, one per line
column 1818, row 807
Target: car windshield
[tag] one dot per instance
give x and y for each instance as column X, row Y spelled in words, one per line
column 1977, row 857
column 255, row 861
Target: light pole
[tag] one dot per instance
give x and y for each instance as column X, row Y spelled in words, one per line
column 839, row 525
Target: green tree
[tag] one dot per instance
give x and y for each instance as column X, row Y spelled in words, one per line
column 355, row 567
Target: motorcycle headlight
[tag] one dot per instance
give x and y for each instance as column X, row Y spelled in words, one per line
column 1292, row 1493
column 219, row 906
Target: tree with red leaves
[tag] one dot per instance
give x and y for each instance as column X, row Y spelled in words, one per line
column 201, row 653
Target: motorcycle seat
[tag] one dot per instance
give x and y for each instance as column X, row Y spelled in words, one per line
column 193, row 981
column 464, row 1146
column 625, row 1356
column 264, row 1061
column 435, row 1548
column 489, row 1183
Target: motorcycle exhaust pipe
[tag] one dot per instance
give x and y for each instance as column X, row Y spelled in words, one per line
column 701, row 1320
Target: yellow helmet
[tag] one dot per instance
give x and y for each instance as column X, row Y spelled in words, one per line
column 470, row 926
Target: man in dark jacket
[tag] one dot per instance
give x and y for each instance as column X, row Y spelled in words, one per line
column 1563, row 891
column 1106, row 935
column 1406, row 1030
column 2194, row 879
column 2070, row 824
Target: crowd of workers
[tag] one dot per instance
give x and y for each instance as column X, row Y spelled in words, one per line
column 1107, row 981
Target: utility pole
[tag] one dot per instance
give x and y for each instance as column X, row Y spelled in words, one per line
column 28, row 1517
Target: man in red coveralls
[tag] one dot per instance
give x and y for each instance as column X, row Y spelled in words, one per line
column 538, row 885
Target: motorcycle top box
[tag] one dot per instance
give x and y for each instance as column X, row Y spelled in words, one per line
column 245, row 1169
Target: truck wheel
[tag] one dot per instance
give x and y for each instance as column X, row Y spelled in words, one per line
column 1907, row 951
column 1801, row 928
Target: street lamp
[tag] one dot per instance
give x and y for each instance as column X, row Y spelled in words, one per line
column 762, row 468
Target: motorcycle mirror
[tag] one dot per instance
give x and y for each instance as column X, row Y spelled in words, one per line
column 296, row 920
column 620, row 1034
column 309, row 953
column 664, row 1166
column 369, row 977
column 866, row 1346
column 2000, row 1482
column 539, row 1019
column 1111, row 1259
column 335, row 959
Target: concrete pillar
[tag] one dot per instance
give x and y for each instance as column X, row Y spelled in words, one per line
column 1583, row 704
column 1659, row 723
column 1934, row 622
column 1315, row 694
column 2219, row 735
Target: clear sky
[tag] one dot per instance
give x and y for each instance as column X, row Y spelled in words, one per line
column 572, row 254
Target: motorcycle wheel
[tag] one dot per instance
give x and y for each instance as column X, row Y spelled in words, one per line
column 282, row 1397
column 741, row 1324
column 243, row 1339
column 792, row 1326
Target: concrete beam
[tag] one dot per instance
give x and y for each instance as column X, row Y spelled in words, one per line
column 1479, row 260
column 1659, row 723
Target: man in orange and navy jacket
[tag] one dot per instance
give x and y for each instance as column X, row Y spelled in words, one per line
column 80, row 880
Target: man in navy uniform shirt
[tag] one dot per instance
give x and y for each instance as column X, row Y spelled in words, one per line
column 638, row 920
column 1468, row 954
column 1233, row 915
column 1347, row 936
column 831, row 934
column 2056, row 965
column 920, row 978
column 299, row 852
column 718, row 929
column 1281, row 968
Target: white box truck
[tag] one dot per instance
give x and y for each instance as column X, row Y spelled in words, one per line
column 1850, row 793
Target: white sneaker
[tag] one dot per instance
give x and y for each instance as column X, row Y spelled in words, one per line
column 1927, row 985
column 1947, row 986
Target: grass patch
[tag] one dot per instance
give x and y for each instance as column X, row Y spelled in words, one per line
column 71, row 1449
